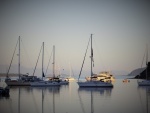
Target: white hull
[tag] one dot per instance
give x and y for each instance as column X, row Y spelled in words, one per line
column 17, row 83
column 144, row 83
column 44, row 83
column 58, row 80
column 94, row 84
column 64, row 82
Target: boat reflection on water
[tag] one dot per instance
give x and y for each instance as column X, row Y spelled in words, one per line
column 91, row 93
column 101, row 90
column 146, row 104
column 36, row 101
column 53, row 90
column 123, row 98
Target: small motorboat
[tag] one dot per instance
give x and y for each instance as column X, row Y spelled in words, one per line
column 126, row 80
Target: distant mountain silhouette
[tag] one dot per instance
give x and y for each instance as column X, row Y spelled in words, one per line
column 142, row 75
column 136, row 72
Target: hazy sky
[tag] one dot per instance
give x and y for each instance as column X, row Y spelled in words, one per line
column 121, row 31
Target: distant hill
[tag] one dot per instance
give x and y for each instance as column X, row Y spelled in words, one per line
column 141, row 72
column 136, row 72
column 10, row 74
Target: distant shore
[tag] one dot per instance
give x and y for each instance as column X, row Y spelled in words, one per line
column 11, row 75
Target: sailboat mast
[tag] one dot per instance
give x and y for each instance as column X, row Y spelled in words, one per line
column 42, row 60
column 70, row 69
column 146, row 61
column 19, row 59
column 91, row 56
column 53, row 61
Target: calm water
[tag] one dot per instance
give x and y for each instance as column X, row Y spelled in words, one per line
column 122, row 98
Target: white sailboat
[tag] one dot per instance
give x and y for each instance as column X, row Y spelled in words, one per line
column 145, row 82
column 56, row 78
column 42, row 82
column 70, row 78
column 24, row 80
column 92, row 83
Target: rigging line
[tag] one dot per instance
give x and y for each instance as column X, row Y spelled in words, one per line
column 37, row 60
column 26, row 53
column 12, row 58
column 49, row 62
column 143, row 59
column 84, row 59
column 142, row 62
column 147, row 55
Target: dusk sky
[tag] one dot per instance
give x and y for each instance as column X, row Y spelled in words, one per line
column 120, row 28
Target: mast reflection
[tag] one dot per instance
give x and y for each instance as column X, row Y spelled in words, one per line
column 106, row 92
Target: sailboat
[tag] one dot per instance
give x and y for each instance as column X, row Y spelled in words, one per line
column 92, row 83
column 70, row 78
column 56, row 78
column 146, row 82
column 42, row 82
column 24, row 80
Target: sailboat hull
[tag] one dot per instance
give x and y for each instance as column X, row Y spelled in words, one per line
column 64, row 82
column 144, row 83
column 44, row 83
column 17, row 83
column 94, row 84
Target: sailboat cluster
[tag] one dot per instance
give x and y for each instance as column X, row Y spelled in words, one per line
column 103, row 79
column 25, row 80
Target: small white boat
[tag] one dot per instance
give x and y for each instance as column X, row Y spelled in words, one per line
column 58, row 79
column 125, row 80
column 70, row 78
column 92, row 82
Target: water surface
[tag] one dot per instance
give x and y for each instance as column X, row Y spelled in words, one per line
column 122, row 98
